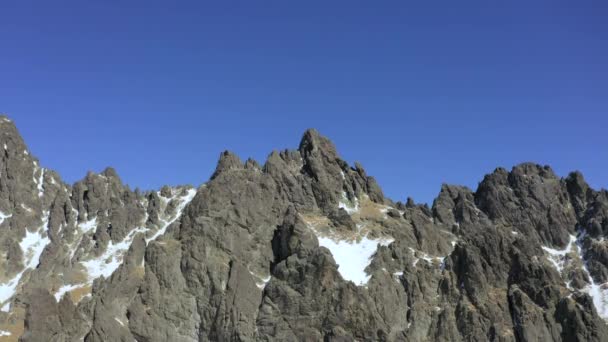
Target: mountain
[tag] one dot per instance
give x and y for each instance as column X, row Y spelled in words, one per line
column 303, row 248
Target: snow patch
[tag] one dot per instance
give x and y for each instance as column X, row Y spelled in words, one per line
column 119, row 321
column 383, row 211
column 8, row 290
column 4, row 333
column 557, row 257
column 345, row 204
column 66, row 288
column 597, row 292
column 32, row 246
column 88, row 226
column 353, row 257
column 4, row 216
column 183, row 202
column 40, row 183
column 261, row 281
column 426, row 257
column 112, row 258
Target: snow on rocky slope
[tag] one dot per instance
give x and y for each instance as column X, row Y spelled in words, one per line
column 305, row 246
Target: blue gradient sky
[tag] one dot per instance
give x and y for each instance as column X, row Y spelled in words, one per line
column 420, row 92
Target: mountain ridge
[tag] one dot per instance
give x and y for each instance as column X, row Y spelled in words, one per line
column 303, row 247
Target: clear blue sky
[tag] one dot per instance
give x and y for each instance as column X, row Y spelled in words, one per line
column 420, row 92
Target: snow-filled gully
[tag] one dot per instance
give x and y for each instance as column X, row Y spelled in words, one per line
column 559, row 260
column 32, row 245
column 112, row 258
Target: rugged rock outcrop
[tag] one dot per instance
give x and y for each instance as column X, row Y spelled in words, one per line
column 303, row 248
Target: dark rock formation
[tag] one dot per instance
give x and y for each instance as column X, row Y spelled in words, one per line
column 303, row 248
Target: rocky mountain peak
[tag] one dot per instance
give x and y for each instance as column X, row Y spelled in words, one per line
column 314, row 144
column 227, row 161
column 305, row 247
column 9, row 136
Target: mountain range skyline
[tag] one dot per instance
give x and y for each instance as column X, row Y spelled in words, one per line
column 190, row 168
column 305, row 246
column 420, row 93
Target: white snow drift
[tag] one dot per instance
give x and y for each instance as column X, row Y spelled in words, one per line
column 353, row 257
column 32, row 245
column 345, row 204
column 113, row 256
column 598, row 292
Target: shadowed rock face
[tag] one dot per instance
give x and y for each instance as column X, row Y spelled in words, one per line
column 303, row 248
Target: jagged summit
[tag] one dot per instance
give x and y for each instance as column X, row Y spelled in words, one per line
column 313, row 142
column 228, row 161
column 305, row 247
column 10, row 137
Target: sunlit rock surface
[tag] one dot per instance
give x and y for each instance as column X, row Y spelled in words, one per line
column 302, row 248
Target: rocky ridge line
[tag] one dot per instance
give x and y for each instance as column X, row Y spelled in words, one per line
column 304, row 247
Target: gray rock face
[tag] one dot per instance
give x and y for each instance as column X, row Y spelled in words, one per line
column 303, row 248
